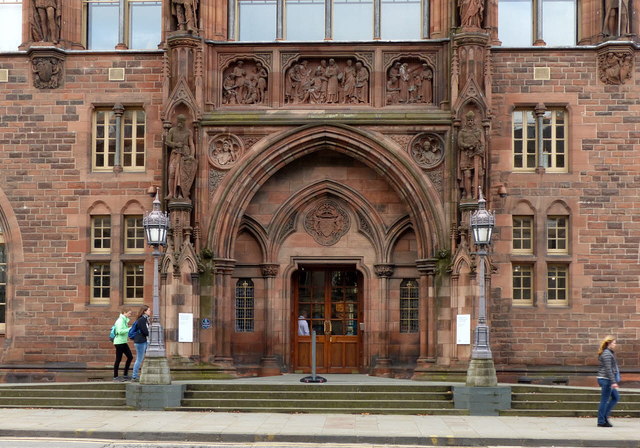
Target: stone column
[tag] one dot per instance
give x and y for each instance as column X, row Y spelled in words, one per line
column 269, row 365
column 223, row 293
column 382, row 366
column 427, row 313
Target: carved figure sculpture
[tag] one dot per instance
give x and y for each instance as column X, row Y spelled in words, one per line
column 348, row 92
column 46, row 21
column 616, row 18
column 408, row 82
column 471, row 13
column 262, row 75
column 185, row 12
column 362, row 83
column 393, row 84
column 427, row 150
column 224, row 151
column 470, row 156
column 182, row 162
column 46, row 72
column 333, row 82
column 615, row 68
column 424, row 84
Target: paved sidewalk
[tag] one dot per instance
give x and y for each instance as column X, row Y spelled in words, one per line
column 319, row 428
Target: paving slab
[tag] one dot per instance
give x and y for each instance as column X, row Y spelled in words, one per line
column 467, row 431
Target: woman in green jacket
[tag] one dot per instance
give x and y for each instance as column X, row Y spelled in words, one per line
column 121, row 344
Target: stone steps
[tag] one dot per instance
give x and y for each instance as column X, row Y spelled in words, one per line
column 320, row 398
column 63, row 395
column 554, row 401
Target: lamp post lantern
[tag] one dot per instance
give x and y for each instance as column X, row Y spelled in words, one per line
column 481, row 370
column 156, row 367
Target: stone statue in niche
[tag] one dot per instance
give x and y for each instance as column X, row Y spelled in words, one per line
column 470, row 156
column 245, row 83
column 182, row 161
column 45, row 26
column 427, row 150
column 409, row 83
column 224, row 151
column 185, row 13
column 616, row 18
column 471, row 13
column 615, row 67
column 327, row 82
column 47, row 72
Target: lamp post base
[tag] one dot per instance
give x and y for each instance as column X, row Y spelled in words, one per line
column 481, row 373
column 155, row 370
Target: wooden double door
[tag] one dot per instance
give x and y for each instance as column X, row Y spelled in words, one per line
column 330, row 299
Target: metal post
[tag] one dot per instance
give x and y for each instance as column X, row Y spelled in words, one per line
column 313, row 356
column 156, row 337
column 481, row 347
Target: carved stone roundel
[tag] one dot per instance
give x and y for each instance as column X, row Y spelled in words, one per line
column 224, row 150
column 327, row 222
column 427, row 150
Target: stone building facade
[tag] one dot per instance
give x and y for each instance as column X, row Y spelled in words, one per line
column 327, row 178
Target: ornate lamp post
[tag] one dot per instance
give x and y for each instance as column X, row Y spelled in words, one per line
column 481, row 370
column 156, row 366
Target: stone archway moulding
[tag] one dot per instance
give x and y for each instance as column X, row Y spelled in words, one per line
column 263, row 160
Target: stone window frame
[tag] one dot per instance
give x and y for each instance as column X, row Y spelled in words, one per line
column 539, row 25
column 519, row 237
column 100, row 283
column 557, row 234
column 125, row 24
column 245, row 302
column 132, row 282
column 557, row 284
column 518, row 271
column 108, row 137
column 544, row 151
column 101, row 243
column 409, row 306
column 133, row 243
column 280, row 31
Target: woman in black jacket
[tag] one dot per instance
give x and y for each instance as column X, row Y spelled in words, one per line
column 140, row 339
column 608, row 378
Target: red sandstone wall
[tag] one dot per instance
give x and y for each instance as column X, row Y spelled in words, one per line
column 49, row 187
column 601, row 190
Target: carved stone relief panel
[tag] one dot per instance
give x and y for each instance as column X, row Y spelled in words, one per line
column 316, row 80
column 615, row 66
column 47, row 72
column 245, row 81
column 409, row 80
column 327, row 222
column 427, row 150
column 224, row 150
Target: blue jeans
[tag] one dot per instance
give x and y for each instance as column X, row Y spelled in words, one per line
column 141, row 348
column 608, row 400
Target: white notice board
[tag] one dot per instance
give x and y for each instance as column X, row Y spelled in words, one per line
column 463, row 327
column 185, row 327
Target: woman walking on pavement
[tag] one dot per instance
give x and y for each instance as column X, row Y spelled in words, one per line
column 608, row 378
column 140, row 339
column 121, row 345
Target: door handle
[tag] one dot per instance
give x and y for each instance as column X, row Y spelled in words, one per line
column 327, row 327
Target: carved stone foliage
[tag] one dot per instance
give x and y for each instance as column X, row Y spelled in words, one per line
column 245, row 82
column 409, row 81
column 427, row 150
column 215, row 177
column 383, row 270
column 270, row 270
column 47, row 72
column 224, row 150
column 327, row 81
column 437, row 179
column 327, row 222
column 615, row 67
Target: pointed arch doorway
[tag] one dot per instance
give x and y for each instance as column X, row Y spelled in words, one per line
column 330, row 297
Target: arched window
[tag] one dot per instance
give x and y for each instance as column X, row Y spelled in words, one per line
column 245, row 298
column 10, row 24
column 409, row 296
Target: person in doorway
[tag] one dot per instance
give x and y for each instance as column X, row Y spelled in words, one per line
column 303, row 325
column 121, row 345
column 140, row 339
column 608, row 379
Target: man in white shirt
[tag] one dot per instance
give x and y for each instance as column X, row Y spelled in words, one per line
column 303, row 325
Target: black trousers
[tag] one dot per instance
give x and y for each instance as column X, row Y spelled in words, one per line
column 122, row 349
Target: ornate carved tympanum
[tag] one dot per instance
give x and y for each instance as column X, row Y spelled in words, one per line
column 245, row 82
column 327, row 81
column 409, row 81
column 327, row 222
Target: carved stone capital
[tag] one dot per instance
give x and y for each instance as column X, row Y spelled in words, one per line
column 615, row 63
column 383, row 270
column 270, row 269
